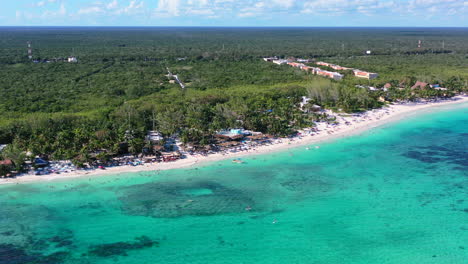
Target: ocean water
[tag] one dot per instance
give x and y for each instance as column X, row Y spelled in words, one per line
column 396, row 194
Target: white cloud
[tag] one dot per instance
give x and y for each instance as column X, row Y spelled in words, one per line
column 201, row 12
column 133, row 7
column 434, row 7
column 284, row 3
column 262, row 9
column 62, row 10
column 112, row 5
column 247, row 14
column 198, row 2
column 367, row 7
column 43, row 3
column 168, row 8
column 90, row 10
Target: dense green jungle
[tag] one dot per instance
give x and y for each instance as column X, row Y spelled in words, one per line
column 119, row 84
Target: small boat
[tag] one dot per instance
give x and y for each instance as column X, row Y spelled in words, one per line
column 238, row 161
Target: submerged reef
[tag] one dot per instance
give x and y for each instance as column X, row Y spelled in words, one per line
column 121, row 248
column 10, row 254
column 456, row 154
column 177, row 199
column 22, row 246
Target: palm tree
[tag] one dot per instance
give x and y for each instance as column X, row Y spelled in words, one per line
column 15, row 154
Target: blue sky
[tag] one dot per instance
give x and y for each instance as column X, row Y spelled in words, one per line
column 310, row 13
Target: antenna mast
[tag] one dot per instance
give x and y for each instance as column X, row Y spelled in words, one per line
column 29, row 50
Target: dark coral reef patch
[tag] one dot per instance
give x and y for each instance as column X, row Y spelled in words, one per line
column 10, row 254
column 121, row 248
column 178, row 199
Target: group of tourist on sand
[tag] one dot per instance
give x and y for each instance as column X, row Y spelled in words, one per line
column 236, row 142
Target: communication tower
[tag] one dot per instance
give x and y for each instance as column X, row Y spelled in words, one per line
column 29, row 50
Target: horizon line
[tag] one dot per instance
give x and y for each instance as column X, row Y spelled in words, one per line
column 63, row 26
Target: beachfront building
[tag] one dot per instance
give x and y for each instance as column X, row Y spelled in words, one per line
column 6, row 163
column 333, row 75
column 72, row 59
column 232, row 134
column 154, row 137
column 357, row 73
column 326, row 64
column 317, row 71
column 340, row 68
column 314, row 70
column 171, row 156
column 280, row 62
column 304, row 60
column 365, row 75
column 6, row 166
column 270, row 59
column 437, row 87
column 419, row 85
column 333, row 66
column 296, row 64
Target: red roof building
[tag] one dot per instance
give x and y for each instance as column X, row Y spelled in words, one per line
column 419, row 85
column 6, row 162
column 366, row 75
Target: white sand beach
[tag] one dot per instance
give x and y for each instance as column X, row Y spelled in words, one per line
column 348, row 125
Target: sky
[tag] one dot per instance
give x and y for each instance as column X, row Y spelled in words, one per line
column 251, row 13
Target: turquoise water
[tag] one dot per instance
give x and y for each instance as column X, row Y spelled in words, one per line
column 397, row 194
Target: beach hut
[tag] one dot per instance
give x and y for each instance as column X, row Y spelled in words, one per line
column 229, row 144
column 40, row 162
column 257, row 137
column 419, row 85
column 6, row 166
column 6, row 162
column 154, row 137
column 158, row 148
column 233, row 134
column 171, row 156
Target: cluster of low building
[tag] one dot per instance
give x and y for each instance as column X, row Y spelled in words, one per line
column 424, row 85
column 69, row 59
column 417, row 86
column 357, row 73
column 299, row 63
column 317, row 71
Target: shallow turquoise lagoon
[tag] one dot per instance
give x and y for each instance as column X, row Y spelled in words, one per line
column 397, row 194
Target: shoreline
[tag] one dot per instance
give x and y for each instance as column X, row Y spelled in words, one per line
column 356, row 125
